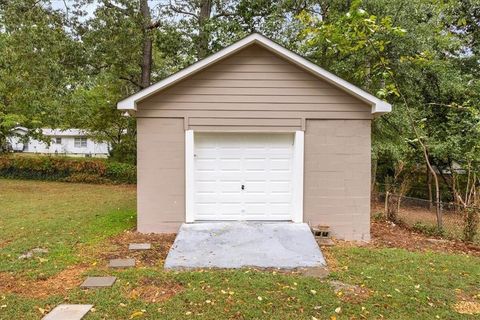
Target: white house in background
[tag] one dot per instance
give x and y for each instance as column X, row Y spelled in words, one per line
column 69, row 142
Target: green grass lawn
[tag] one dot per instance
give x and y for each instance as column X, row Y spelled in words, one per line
column 71, row 219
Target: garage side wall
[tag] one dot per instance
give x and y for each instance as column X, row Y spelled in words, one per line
column 161, row 174
column 337, row 177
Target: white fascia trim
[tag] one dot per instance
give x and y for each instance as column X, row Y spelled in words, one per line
column 189, row 176
column 298, row 172
column 378, row 106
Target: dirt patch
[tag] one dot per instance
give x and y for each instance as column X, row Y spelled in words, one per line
column 467, row 307
column 387, row 234
column 350, row 293
column 155, row 290
column 315, row 272
column 117, row 248
column 59, row 284
column 466, row 304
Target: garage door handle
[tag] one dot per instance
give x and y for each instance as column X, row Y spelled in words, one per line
column 243, row 187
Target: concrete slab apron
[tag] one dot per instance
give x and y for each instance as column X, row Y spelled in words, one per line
column 68, row 312
column 240, row 244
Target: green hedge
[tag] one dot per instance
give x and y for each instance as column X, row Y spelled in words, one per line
column 57, row 168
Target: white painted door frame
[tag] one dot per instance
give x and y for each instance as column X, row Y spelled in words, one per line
column 297, row 180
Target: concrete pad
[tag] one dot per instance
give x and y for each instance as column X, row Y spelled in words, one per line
column 121, row 263
column 98, row 282
column 139, row 246
column 68, row 312
column 241, row 244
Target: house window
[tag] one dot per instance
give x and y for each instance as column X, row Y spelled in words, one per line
column 57, row 140
column 80, row 142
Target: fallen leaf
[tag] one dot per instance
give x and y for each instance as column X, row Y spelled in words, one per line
column 136, row 314
column 313, row 291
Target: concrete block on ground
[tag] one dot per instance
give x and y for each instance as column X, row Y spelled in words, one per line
column 122, row 263
column 139, row 246
column 98, row 282
column 68, row 312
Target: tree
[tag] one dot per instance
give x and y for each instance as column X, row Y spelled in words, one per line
column 38, row 66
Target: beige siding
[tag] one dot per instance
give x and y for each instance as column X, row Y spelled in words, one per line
column 253, row 83
column 337, row 176
column 161, row 174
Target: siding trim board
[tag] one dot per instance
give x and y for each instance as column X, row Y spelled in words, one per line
column 312, row 70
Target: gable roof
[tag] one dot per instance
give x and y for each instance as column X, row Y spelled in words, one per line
column 378, row 106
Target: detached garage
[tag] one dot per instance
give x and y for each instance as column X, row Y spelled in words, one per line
column 254, row 132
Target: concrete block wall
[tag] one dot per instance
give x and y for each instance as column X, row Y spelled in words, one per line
column 337, row 176
column 161, row 174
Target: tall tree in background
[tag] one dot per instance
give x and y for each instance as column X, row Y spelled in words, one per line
column 38, row 66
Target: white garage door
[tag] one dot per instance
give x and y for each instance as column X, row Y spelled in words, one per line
column 243, row 176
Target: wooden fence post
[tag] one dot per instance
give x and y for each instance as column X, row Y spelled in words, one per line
column 439, row 208
column 386, row 203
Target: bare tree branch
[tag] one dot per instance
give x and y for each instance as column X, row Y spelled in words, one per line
column 178, row 10
column 132, row 81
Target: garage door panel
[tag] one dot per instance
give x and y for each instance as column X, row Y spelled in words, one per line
column 280, row 164
column 280, row 209
column 280, row 176
column 256, row 186
column 258, row 209
column 229, row 153
column 230, row 164
column 230, row 187
column 205, row 208
column 255, row 163
column 205, row 176
column 262, row 163
column 206, row 164
column 230, row 209
column 206, row 197
column 281, row 187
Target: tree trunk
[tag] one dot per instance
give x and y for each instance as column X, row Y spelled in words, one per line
column 429, row 185
column 203, row 34
column 438, row 208
column 147, row 45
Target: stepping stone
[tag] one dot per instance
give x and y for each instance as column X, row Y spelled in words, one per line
column 68, row 312
column 98, row 282
column 122, row 263
column 139, row 246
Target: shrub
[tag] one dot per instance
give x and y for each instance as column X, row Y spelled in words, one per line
column 429, row 230
column 66, row 169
